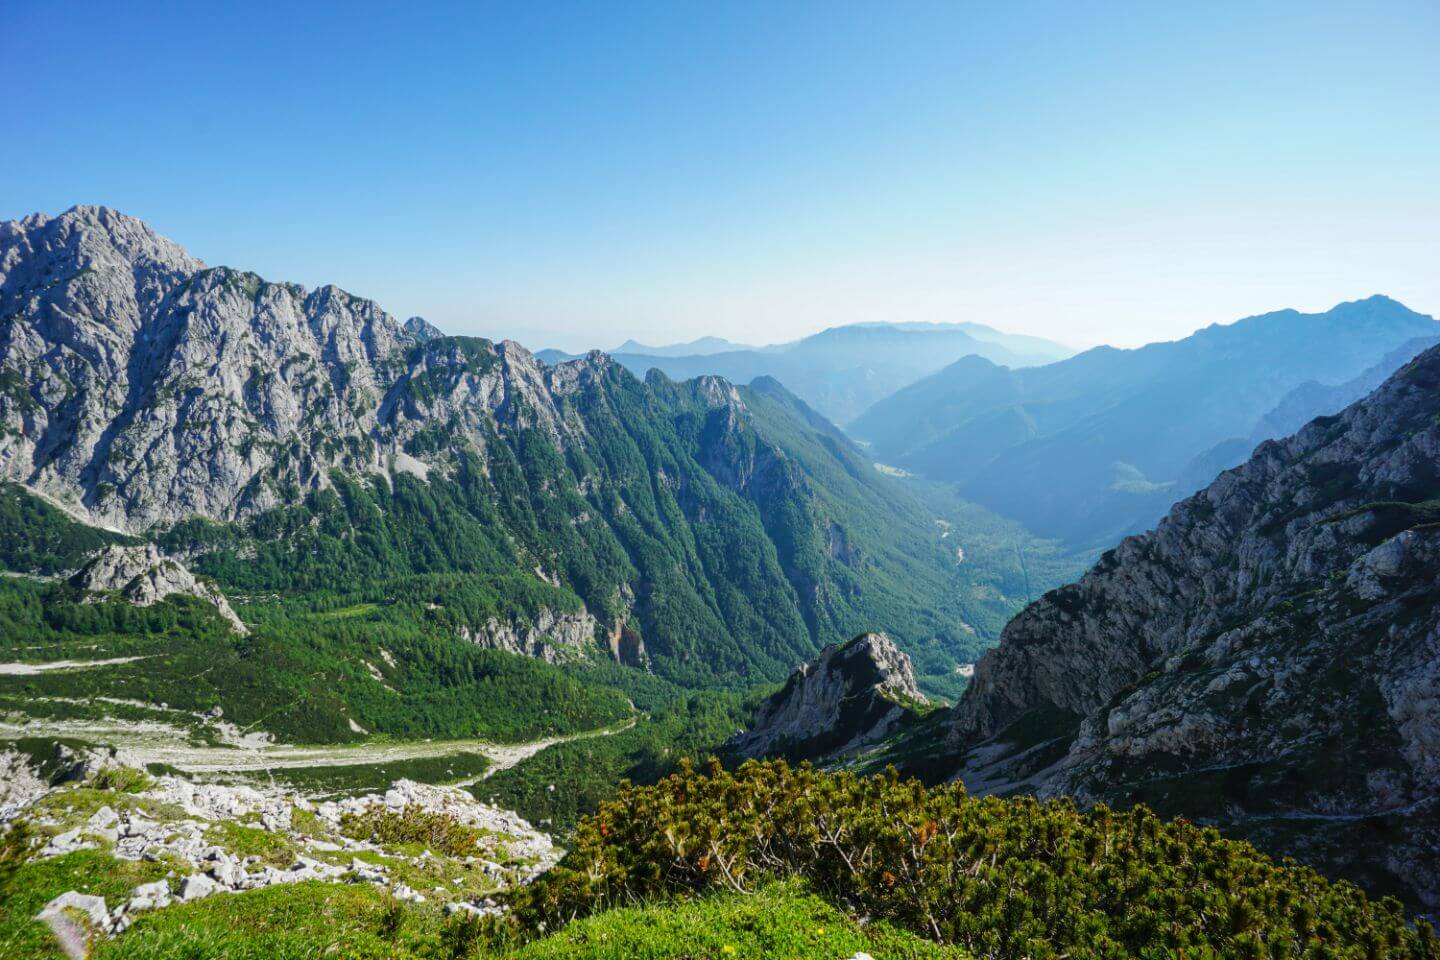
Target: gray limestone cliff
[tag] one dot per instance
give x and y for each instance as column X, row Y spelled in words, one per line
column 1268, row 658
column 554, row 636
column 137, row 385
column 852, row 696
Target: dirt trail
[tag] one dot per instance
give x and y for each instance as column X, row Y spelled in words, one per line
column 146, row 742
column 31, row 669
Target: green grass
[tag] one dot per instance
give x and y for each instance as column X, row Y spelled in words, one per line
column 75, row 806
column 293, row 922
column 37, row 883
column 316, row 920
column 274, row 849
column 350, row 612
column 300, row 675
column 782, row 921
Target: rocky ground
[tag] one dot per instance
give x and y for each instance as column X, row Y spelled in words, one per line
column 422, row 843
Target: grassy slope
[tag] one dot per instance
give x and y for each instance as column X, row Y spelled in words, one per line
column 314, row 920
column 38, row 883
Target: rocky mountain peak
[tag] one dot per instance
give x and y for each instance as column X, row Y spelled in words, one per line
column 137, row 385
column 852, row 696
column 98, row 236
column 422, row 330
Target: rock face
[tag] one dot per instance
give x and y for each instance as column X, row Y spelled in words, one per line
column 143, row 575
column 852, row 696
column 553, row 636
column 139, row 385
column 1268, row 658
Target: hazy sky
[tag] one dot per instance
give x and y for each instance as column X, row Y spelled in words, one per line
column 576, row 173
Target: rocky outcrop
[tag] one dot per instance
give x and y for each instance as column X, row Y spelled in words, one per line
column 138, row 386
column 1268, row 658
column 173, row 819
column 853, row 696
column 144, row 576
column 553, row 635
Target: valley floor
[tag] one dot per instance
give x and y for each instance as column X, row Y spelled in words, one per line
column 238, row 755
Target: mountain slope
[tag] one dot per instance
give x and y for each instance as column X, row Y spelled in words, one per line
column 1268, row 657
column 1121, row 426
column 282, row 440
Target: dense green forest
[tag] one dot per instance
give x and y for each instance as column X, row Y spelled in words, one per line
column 35, row 537
column 301, row 674
column 732, row 532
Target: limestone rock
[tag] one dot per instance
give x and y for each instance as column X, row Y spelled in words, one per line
column 92, row 906
column 852, row 696
column 197, row 886
column 144, row 576
column 553, row 635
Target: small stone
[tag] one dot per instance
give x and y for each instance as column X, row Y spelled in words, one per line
column 92, row 906
column 103, row 818
column 158, row 890
column 196, row 886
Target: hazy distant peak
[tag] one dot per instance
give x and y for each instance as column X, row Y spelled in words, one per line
column 704, row 346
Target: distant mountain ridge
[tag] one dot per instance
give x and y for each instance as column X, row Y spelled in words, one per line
column 699, row 347
column 841, row 371
column 1121, row 427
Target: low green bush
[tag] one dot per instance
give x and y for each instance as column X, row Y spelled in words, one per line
column 1002, row 878
column 439, row 832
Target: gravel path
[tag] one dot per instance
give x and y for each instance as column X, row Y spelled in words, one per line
column 30, row 669
column 157, row 741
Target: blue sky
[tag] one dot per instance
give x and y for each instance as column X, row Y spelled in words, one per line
column 577, row 173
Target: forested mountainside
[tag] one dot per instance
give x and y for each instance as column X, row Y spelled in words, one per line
column 284, row 440
column 1129, row 430
column 1268, row 658
column 843, row 370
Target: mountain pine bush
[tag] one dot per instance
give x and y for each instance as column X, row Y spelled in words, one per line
column 1003, row 878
